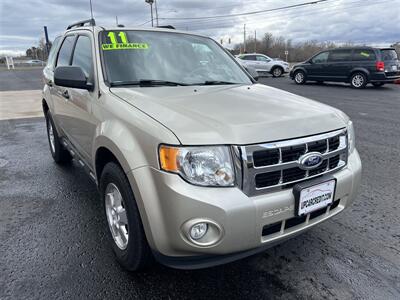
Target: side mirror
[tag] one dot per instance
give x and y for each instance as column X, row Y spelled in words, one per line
column 71, row 76
column 253, row 73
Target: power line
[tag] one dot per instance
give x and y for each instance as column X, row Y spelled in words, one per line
column 247, row 13
column 209, row 23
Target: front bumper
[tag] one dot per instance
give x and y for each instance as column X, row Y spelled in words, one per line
column 166, row 202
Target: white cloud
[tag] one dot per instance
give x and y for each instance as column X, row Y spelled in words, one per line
column 362, row 21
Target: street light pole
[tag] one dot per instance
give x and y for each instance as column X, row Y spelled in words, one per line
column 151, row 10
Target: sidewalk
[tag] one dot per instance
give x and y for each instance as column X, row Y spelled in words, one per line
column 20, row 104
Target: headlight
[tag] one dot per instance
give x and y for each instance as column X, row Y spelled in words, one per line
column 206, row 166
column 351, row 137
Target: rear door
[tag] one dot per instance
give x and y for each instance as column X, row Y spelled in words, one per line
column 316, row 68
column 339, row 64
column 391, row 60
column 249, row 60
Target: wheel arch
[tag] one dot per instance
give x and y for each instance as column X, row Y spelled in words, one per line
column 357, row 70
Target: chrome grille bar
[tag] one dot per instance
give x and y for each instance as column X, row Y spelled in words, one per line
column 248, row 171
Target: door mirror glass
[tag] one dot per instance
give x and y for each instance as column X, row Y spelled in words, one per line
column 71, row 76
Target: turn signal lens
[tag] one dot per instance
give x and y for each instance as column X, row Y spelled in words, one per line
column 168, row 156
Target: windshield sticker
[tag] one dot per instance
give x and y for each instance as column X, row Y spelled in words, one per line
column 364, row 54
column 124, row 44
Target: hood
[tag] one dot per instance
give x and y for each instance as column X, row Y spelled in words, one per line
column 238, row 114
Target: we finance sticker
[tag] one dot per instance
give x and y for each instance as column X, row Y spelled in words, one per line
column 124, row 44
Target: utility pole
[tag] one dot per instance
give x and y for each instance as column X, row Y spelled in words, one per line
column 244, row 38
column 255, row 41
column 151, row 10
column 155, row 6
column 46, row 36
column 116, row 20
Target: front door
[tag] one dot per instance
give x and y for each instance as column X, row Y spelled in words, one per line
column 79, row 118
column 316, row 70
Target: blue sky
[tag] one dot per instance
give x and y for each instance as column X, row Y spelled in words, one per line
column 361, row 21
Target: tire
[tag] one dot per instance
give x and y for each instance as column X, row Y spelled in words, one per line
column 277, row 72
column 358, row 80
column 378, row 84
column 125, row 227
column 299, row 77
column 57, row 150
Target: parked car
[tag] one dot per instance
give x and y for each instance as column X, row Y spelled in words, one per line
column 356, row 65
column 263, row 64
column 196, row 164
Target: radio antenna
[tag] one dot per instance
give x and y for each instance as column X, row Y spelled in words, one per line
column 91, row 9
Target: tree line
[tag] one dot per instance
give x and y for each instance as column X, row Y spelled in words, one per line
column 275, row 47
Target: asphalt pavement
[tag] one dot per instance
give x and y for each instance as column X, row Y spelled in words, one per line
column 53, row 234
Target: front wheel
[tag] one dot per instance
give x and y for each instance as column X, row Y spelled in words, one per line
column 299, row 77
column 378, row 84
column 277, row 72
column 358, row 80
column 59, row 154
column 126, row 232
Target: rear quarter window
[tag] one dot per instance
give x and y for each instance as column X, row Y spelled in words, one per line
column 389, row 54
column 364, row 55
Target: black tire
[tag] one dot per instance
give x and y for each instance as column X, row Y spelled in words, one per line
column 277, row 72
column 299, row 77
column 378, row 84
column 137, row 254
column 58, row 152
column 358, row 80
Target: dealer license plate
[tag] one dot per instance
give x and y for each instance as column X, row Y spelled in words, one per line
column 315, row 197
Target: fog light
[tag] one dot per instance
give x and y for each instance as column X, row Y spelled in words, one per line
column 198, row 230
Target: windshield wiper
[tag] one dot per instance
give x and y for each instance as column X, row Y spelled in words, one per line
column 147, row 82
column 217, row 82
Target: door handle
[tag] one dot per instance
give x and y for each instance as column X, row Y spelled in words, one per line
column 65, row 94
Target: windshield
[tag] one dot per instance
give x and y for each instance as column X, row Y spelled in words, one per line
column 133, row 56
column 389, row 54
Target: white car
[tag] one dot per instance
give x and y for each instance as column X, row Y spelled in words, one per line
column 263, row 64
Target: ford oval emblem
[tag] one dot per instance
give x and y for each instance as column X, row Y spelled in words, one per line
column 310, row 161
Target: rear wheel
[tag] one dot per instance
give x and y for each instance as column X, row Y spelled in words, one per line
column 358, row 80
column 299, row 77
column 378, row 84
column 126, row 231
column 58, row 152
column 277, row 72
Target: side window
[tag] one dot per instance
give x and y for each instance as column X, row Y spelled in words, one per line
column 262, row 58
column 64, row 55
column 364, row 55
column 340, row 55
column 83, row 56
column 52, row 54
column 250, row 57
column 320, row 58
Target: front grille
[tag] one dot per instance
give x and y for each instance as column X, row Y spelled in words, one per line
column 277, row 164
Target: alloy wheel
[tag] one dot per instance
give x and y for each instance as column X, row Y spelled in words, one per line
column 116, row 216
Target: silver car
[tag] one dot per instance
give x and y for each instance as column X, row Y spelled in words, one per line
column 263, row 64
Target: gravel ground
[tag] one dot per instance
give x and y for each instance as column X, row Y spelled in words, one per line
column 53, row 243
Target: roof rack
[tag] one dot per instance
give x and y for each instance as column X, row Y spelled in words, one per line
column 90, row 22
column 166, row 26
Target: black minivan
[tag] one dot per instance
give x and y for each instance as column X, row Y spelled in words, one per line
column 356, row 65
